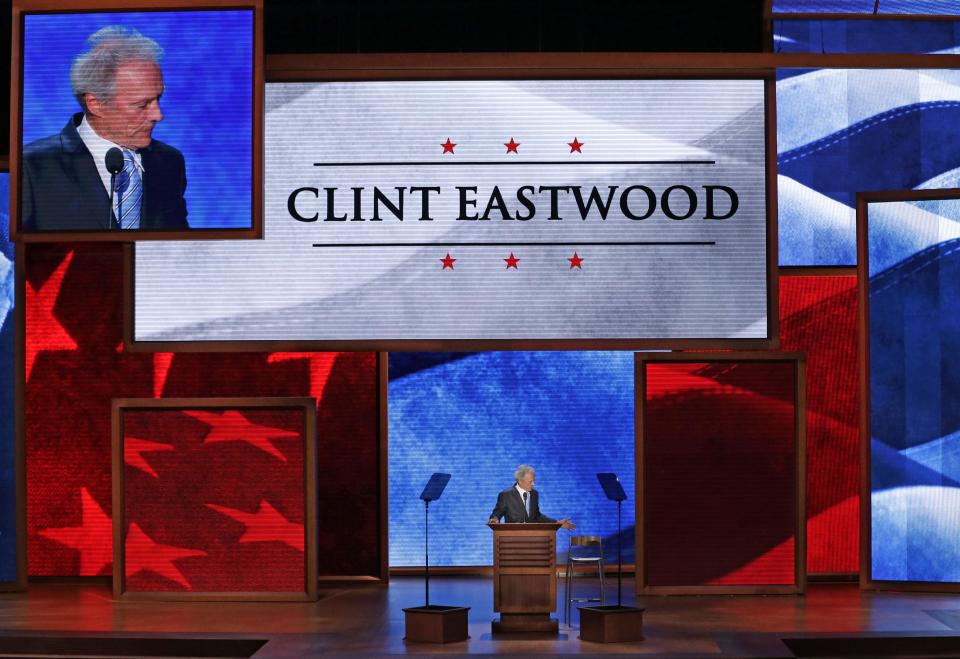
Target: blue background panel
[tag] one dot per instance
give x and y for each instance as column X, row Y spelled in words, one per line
column 865, row 36
column 915, row 390
column 8, row 529
column 843, row 131
column 207, row 102
column 931, row 7
column 478, row 416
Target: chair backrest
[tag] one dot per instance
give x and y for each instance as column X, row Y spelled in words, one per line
column 585, row 540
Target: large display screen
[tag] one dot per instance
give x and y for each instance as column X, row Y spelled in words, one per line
column 8, row 528
column 478, row 417
column 844, row 131
column 914, row 379
column 532, row 209
column 150, row 111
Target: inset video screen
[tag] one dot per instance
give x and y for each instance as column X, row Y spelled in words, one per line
column 136, row 121
column 521, row 209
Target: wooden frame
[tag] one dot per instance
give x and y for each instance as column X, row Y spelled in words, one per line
column 507, row 66
column 309, row 408
column 22, row 7
column 867, row 582
column 800, row 424
column 383, row 389
column 817, row 271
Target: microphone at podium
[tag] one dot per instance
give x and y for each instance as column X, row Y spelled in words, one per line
column 114, row 163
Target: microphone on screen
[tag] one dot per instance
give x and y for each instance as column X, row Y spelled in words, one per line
column 114, row 162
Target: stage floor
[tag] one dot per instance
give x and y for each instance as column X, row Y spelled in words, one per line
column 368, row 620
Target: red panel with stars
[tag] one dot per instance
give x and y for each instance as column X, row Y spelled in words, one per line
column 214, row 500
column 76, row 365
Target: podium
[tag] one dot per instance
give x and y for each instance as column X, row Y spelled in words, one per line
column 525, row 577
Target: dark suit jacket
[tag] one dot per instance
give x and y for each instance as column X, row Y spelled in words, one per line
column 62, row 189
column 510, row 507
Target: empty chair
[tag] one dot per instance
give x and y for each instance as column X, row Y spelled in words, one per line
column 584, row 549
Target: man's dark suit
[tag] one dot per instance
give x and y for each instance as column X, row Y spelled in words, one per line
column 62, row 189
column 510, row 507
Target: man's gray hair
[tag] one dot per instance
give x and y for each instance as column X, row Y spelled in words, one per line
column 94, row 70
column 522, row 471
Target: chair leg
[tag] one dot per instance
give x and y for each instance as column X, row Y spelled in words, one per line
column 600, row 567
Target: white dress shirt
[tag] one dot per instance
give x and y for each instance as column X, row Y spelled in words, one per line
column 98, row 147
column 525, row 503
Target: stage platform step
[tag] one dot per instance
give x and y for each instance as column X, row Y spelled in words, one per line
column 62, row 645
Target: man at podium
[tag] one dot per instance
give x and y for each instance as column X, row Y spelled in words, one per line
column 520, row 504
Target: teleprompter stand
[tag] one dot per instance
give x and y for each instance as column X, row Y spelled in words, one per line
column 612, row 624
column 434, row 623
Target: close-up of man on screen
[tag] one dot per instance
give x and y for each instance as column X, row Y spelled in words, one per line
column 108, row 147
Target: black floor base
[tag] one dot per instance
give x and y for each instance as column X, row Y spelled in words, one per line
column 611, row 624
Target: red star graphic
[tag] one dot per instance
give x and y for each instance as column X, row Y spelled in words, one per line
column 511, row 146
column 92, row 538
column 575, row 145
column 448, row 146
column 44, row 331
column 161, row 367
column 265, row 525
column 512, row 262
column 575, row 262
column 133, row 450
column 142, row 553
column 447, row 262
column 321, row 364
column 231, row 426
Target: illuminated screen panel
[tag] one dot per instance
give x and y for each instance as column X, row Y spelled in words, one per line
column 214, row 500
column 914, row 390
column 818, row 317
column 840, row 131
column 823, row 6
column 929, row 7
column 8, row 517
column 478, row 416
column 719, row 474
column 75, row 366
column 393, row 213
column 866, row 36
column 187, row 158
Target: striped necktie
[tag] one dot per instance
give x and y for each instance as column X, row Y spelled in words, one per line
column 129, row 193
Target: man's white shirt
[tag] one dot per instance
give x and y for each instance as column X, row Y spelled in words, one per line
column 522, row 492
column 98, row 147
